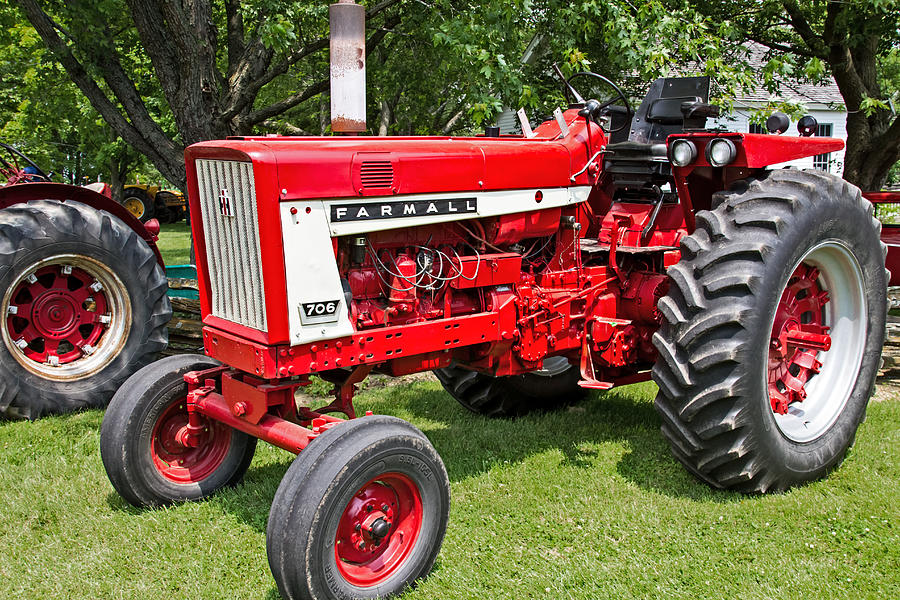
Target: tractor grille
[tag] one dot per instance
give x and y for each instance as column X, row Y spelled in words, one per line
column 228, row 203
column 376, row 174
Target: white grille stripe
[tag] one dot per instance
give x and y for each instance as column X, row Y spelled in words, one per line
column 232, row 243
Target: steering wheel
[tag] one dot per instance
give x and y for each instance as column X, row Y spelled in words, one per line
column 10, row 169
column 594, row 108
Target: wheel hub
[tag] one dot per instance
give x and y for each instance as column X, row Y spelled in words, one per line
column 182, row 462
column 134, row 206
column 798, row 335
column 57, row 315
column 378, row 529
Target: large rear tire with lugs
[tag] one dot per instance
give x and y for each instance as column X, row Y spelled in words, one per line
column 552, row 386
column 772, row 332
column 83, row 305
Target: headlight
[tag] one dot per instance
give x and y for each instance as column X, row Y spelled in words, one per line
column 682, row 153
column 720, row 152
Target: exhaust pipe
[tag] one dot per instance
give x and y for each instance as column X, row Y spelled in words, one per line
column 348, row 66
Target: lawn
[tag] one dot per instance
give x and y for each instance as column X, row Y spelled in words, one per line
column 175, row 243
column 581, row 503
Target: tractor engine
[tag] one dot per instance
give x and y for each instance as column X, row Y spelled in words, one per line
column 312, row 247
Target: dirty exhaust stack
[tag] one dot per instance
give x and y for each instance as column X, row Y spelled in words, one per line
column 348, row 67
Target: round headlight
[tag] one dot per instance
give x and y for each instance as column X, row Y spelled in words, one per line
column 682, row 153
column 720, row 152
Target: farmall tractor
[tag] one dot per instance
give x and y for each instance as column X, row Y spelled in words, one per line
column 83, row 300
column 604, row 249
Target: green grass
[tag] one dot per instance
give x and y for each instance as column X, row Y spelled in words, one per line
column 175, row 243
column 582, row 503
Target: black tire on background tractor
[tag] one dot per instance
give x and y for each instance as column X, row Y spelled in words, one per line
column 139, row 203
column 773, row 328
column 83, row 306
column 164, row 212
column 553, row 386
column 360, row 513
column 140, row 447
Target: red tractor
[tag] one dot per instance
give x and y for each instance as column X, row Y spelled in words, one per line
column 605, row 248
column 83, row 302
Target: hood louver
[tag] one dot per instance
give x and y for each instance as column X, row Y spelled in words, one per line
column 376, row 174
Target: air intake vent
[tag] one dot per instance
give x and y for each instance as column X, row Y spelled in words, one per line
column 376, row 174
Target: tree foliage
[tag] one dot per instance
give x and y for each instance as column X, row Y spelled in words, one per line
column 163, row 74
column 45, row 116
column 855, row 42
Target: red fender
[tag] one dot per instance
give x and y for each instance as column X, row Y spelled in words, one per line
column 22, row 193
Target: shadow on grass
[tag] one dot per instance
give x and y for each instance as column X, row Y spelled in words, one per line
column 471, row 444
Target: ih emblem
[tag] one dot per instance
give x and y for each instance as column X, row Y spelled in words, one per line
column 225, row 203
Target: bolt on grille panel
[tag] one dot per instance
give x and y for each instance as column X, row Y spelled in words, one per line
column 228, row 206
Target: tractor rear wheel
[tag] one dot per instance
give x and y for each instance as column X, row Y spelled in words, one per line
column 83, row 306
column 140, row 443
column 773, row 328
column 553, row 386
column 360, row 513
column 139, row 203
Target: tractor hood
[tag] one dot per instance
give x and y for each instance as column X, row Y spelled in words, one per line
column 345, row 167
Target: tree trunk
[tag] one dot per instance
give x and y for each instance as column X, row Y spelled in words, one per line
column 116, row 181
column 385, row 118
column 867, row 165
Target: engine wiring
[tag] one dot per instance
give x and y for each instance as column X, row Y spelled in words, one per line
column 431, row 264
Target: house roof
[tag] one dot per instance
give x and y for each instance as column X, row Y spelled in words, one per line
column 788, row 90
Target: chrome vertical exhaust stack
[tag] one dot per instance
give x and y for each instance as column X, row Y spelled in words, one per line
column 348, row 66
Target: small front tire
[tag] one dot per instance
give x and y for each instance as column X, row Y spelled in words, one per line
column 139, row 203
column 139, row 444
column 361, row 513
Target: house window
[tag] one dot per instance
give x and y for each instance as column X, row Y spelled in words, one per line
column 755, row 128
column 822, row 161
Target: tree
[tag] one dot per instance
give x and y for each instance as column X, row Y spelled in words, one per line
column 853, row 42
column 43, row 114
column 210, row 62
column 167, row 73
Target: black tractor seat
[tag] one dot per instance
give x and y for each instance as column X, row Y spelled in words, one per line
column 636, row 157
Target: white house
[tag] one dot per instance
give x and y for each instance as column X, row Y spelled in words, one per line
column 824, row 102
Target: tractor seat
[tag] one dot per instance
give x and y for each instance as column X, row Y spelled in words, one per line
column 635, row 156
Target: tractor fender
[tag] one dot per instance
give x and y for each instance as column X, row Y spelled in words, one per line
column 20, row 194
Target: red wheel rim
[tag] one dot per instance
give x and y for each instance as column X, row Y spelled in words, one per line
column 799, row 335
column 378, row 529
column 185, row 464
column 66, row 317
column 58, row 316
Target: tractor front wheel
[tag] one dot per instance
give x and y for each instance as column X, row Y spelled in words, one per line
column 139, row 203
column 773, row 330
column 361, row 512
column 141, row 442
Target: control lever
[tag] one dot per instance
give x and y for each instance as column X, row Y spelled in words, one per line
column 565, row 81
